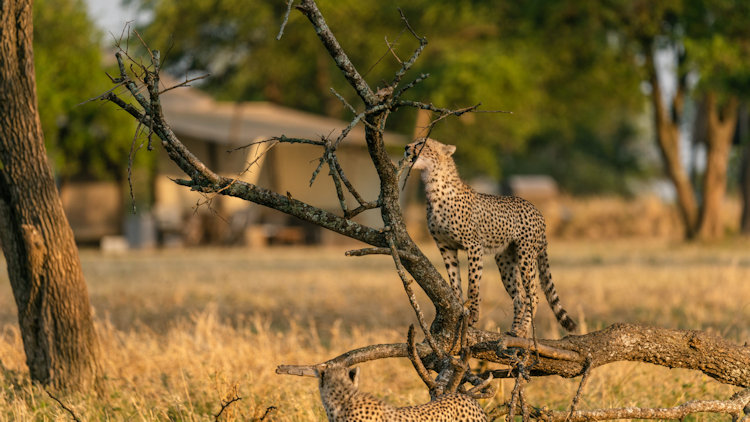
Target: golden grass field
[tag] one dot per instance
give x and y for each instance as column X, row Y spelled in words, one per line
column 180, row 330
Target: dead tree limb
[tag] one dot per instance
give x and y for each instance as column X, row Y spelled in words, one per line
column 716, row 357
column 736, row 406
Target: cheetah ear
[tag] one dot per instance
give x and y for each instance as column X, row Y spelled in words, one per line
column 450, row 149
column 354, row 376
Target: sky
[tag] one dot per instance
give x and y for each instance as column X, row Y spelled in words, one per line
column 111, row 16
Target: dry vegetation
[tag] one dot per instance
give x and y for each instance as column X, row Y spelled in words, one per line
column 182, row 329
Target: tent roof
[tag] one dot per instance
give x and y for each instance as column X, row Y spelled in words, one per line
column 193, row 113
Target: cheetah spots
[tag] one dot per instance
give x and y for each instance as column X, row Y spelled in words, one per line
column 468, row 218
column 344, row 402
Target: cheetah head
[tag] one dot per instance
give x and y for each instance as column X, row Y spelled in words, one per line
column 337, row 384
column 428, row 153
column 337, row 375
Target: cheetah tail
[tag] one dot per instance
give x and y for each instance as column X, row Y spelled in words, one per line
column 545, row 278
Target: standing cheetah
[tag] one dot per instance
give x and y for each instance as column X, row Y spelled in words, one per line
column 507, row 226
column 345, row 403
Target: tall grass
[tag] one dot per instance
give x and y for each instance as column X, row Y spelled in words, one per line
column 182, row 330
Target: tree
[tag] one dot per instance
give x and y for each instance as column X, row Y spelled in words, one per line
column 449, row 342
column 43, row 265
column 707, row 40
column 83, row 143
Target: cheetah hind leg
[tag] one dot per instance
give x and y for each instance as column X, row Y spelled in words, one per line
column 529, row 270
column 507, row 263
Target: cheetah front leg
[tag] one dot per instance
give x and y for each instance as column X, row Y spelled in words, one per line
column 450, row 259
column 475, row 254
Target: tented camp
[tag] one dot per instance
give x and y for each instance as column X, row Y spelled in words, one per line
column 229, row 138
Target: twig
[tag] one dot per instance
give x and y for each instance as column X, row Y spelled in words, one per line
column 184, row 83
column 337, row 183
column 286, row 19
column 268, row 411
column 417, row 52
column 410, row 85
column 390, row 48
column 380, row 251
column 384, row 54
column 483, row 390
column 579, row 392
column 343, row 100
column 525, row 414
column 130, row 164
column 417, row 362
column 509, row 342
column 408, row 26
column 118, row 83
column 347, row 183
column 66, row 408
column 412, row 299
column 353, row 357
column 460, row 366
column 364, row 207
column 226, row 403
column 514, row 398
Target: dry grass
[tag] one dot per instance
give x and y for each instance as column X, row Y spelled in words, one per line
column 180, row 330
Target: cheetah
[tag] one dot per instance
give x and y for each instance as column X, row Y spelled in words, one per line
column 345, row 403
column 509, row 227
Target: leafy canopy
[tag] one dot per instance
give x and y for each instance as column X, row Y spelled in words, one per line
column 84, row 141
column 570, row 71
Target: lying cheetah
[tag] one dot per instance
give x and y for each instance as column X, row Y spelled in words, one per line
column 507, row 226
column 345, row 403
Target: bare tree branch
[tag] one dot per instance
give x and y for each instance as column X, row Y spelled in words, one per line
column 579, row 392
column 735, row 406
column 716, row 357
column 379, row 251
column 412, row 299
column 416, row 361
column 226, row 403
column 286, row 19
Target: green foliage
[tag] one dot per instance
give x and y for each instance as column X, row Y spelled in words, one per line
column 717, row 39
column 84, row 141
column 570, row 71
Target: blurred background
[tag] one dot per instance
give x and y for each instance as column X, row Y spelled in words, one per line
column 629, row 119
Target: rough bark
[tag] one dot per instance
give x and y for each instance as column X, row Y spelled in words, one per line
column 735, row 407
column 667, row 124
column 722, row 122
column 43, row 265
column 698, row 350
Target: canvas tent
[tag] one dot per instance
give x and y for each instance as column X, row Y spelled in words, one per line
column 229, row 137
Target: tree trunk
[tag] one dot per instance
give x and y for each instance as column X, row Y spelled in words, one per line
column 745, row 170
column 43, row 265
column 720, row 131
column 668, row 139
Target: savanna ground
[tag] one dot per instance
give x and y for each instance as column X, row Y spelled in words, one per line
column 181, row 330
